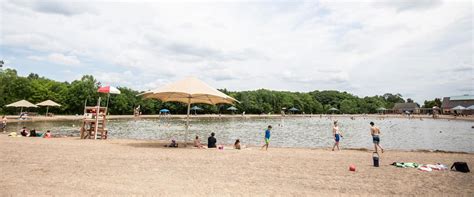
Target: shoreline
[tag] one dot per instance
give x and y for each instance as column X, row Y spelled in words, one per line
column 161, row 143
column 139, row 167
column 14, row 119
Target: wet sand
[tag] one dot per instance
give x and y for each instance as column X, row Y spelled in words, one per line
column 70, row 166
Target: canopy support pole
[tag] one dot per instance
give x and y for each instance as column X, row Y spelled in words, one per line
column 187, row 123
column 47, row 109
column 108, row 98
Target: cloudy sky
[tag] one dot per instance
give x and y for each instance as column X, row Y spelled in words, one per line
column 421, row 49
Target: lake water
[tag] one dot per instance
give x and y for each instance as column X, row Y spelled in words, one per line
column 397, row 133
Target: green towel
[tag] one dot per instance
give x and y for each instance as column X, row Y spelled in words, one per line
column 405, row 165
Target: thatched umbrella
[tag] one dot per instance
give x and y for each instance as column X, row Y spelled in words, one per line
column 48, row 103
column 22, row 103
column 190, row 90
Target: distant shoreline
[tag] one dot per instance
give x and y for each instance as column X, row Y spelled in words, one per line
column 13, row 119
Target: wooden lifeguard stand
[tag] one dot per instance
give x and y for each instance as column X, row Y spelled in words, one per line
column 94, row 123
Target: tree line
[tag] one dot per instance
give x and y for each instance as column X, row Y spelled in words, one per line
column 73, row 95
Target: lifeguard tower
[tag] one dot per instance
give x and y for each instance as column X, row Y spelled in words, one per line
column 94, row 123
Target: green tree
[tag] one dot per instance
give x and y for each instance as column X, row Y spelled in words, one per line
column 348, row 106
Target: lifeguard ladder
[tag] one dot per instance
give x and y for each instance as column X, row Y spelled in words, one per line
column 94, row 123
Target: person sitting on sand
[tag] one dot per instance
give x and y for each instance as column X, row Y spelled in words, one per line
column 173, row 144
column 237, row 144
column 3, row 124
column 33, row 133
column 337, row 135
column 375, row 132
column 47, row 134
column 197, row 142
column 24, row 132
column 211, row 141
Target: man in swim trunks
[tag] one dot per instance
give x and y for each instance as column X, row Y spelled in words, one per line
column 337, row 135
column 375, row 132
column 267, row 137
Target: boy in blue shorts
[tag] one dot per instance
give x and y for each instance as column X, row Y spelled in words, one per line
column 267, row 137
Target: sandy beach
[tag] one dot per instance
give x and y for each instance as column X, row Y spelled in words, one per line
column 70, row 166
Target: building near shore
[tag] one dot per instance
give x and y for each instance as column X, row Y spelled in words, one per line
column 465, row 101
column 412, row 108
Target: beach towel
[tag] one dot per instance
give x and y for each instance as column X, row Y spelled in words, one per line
column 431, row 167
column 425, row 168
column 405, row 164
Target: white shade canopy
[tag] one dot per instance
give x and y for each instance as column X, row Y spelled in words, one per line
column 48, row 103
column 189, row 90
column 459, row 107
column 470, row 107
column 22, row 103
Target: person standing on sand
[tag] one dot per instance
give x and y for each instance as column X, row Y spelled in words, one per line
column 337, row 135
column 267, row 137
column 3, row 124
column 375, row 132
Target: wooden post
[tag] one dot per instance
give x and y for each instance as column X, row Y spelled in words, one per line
column 97, row 119
column 187, row 123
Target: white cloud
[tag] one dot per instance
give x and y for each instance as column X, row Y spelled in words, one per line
column 368, row 47
column 57, row 58
column 63, row 59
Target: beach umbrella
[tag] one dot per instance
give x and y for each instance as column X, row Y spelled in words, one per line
column 470, row 107
column 164, row 111
column 332, row 109
column 459, row 107
column 189, row 90
column 108, row 90
column 232, row 108
column 381, row 109
column 293, row 109
column 195, row 108
column 22, row 103
column 48, row 103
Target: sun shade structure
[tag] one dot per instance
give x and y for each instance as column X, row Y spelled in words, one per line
column 22, row 103
column 232, row 108
column 333, row 109
column 108, row 90
column 470, row 107
column 189, row 90
column 381, row 109
column 459, row 107
column 164, row 111
column 48, row 103
column 196, row 108
column 293, row 109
